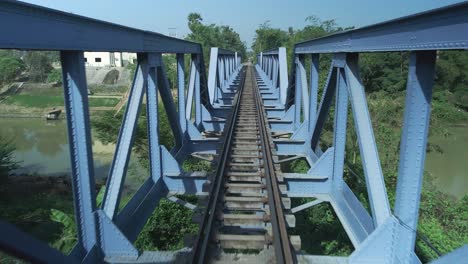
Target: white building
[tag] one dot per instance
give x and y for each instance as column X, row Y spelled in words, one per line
column 109, row 59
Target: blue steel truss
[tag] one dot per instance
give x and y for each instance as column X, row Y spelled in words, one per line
column 203, row 104
column 384, row 236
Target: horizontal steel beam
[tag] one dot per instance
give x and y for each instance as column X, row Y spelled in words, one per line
column 274, row 51
column 32, row 27
column 437, row 29
column 225, row 52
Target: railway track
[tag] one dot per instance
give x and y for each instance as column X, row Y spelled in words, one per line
column 245, row 210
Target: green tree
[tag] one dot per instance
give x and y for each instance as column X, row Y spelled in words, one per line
column 213, row 35
column 267, row 38
column 452, row 76
column 10, row 67
column 38, row 64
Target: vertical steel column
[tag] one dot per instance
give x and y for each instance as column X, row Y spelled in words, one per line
column 297, row 93
column 304, row 87
column 198, row 110
column 339, row 131
column 313, row 93
column 181, row 91
column 151, row 78
column 368, row 149
column 413, row 148
column 118, row 168
column 283, row 74
column 275, row 74
column 212, row 74
column 222, row 78
column 81, row 155
column 191, row 90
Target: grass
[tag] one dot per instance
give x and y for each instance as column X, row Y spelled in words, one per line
column 44, row 101
column 31, row 211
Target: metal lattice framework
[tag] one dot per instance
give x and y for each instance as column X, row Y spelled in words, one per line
column 384, row 236
column 107, row 233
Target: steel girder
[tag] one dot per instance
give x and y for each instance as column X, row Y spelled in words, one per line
column 439, row 29
column 47, row 29
column 383, row 236
column 106, row 233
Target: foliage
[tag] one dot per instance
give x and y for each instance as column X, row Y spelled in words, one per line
column 10, row 67
column 384, row 75
column 170, row 65
column 213, row 35
column 320, row 230
column 131, row 67
column 107, row 126
column 166, row 228
column 194, row 164
column 386, row 71
column 452, row 76
column 27, row 204
column 38, row 64
column 54, row 76
column 7, row 160
column 267, row 38
column 68, row 237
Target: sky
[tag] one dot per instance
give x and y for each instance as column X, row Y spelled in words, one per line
column 244, row 16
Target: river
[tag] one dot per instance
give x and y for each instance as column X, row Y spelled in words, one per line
column 42, row 149
column 449, row 167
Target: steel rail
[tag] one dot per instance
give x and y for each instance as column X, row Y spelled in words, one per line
column 281, row 241
column 204, row 234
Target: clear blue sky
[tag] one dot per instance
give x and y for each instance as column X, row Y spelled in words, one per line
column 242, row 15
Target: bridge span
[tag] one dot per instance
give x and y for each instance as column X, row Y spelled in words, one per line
column 248, row 118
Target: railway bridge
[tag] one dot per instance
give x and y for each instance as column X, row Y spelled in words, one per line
column 249, row 119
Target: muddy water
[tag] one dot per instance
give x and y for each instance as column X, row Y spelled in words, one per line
column 42, row 148
column 449, row 167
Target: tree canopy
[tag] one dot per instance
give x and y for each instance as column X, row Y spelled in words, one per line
column 213, row 35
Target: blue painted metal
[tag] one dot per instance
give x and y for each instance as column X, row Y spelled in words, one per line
column 314, row 86
column 81, row 155
column 382, row 236
column 455, row 256
column 368, row 148
column 50, row 29
column 13, row 241
column 439, row 29
column 118, row 168
column 154, row 61
column 413, row 147
column 106, row 234
column 291, row 104
column 181, row 91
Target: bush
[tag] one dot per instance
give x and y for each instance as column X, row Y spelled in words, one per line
column 55, row 76
column 7, row 162
column 10, row 68
column 166, row 228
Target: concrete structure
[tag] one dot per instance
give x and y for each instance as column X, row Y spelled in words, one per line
column 105, row 59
